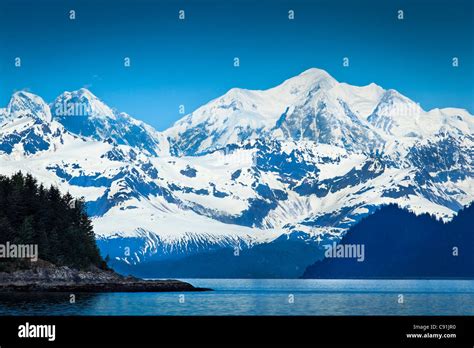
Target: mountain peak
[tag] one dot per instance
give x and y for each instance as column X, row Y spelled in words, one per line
column 82, row 113
column 86, row 93
column 81, row 93
column 23, row 103
column 81, row 102
column 315, row 72
column 24, row 94
column 308, row 80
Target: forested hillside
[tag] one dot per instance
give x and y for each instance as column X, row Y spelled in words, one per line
column 58, row 224
column 400, row 244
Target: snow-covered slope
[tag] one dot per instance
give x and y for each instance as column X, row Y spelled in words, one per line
column 297, row 163
column 25, row 104
column 314, row 106
column 26, row 127
column 82, row 113
column 243, row 114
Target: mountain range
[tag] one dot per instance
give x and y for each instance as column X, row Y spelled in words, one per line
column 252, row 184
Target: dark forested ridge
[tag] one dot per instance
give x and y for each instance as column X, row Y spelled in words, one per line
column 400, row 244
column 58, row 224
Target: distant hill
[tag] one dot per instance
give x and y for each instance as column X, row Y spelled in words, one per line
column 400, row 244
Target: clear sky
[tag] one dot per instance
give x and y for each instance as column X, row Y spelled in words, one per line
column 190, row 62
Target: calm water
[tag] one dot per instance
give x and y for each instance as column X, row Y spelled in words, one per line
column 264, row 297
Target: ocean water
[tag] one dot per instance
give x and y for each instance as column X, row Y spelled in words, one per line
column 263, row 297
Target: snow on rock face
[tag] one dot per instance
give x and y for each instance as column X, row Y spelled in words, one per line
column 82, row 113
column 397, row 116
column 81, row 103
column 26, row 126
column 301, row 161
column 327, row 120
column 25, row 104
column 361, row 100
column 314, row 106
column 241, row 114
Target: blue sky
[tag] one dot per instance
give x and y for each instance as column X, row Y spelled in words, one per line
column 190, row 62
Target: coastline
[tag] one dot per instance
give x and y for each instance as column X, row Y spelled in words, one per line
column 45, row 277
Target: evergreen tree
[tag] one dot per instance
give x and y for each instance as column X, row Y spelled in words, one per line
column 58, row 224
column 26, row 234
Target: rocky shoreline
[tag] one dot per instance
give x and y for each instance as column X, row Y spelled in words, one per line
column 49, row 278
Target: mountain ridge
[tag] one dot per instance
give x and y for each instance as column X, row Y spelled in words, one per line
column 305, row 160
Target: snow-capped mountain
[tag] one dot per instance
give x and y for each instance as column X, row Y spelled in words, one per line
column 271, row 176
column 243, row 114
column 82, row 113
column 27, row 127
column 313, row 106
column 25, row 104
